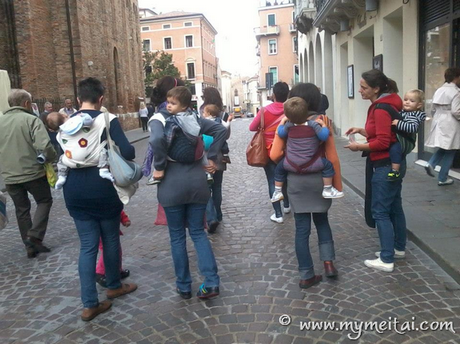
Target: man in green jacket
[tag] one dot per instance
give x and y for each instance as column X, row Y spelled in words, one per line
column 23, row 137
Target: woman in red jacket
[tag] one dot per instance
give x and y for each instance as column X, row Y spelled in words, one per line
column 386, row 202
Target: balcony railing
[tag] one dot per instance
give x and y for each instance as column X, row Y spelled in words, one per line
column 267, row 31
column 267, row 3
column 335, row 14
column 292, row 27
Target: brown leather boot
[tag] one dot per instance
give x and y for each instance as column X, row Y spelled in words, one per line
column 90, row 313
column 305, row 284
column 329, row 269
column 125, row 288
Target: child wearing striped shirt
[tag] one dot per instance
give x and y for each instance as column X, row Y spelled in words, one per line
column 412, row 117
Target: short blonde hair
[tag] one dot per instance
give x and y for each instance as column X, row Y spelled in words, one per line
column 420, row 94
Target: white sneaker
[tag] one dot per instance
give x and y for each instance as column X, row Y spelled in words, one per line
column 277, row 196
column 153, row 181
column 377, row 264
column 448, row 181
column 429, row 170
column 332, row 193
column 398, row 254
column 276, row 219
column 287, row 210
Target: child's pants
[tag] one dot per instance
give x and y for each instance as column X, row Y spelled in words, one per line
column 396, row 153
column 281, row 173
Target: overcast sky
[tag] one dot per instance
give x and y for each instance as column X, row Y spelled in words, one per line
column 234, row 21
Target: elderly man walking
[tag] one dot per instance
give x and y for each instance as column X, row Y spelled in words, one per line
column 23, row 137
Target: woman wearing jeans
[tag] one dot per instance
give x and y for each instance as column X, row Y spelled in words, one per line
column 305, row 195
column 386, row 202
column 445, row 128
column 95, row 208
column 184, row 193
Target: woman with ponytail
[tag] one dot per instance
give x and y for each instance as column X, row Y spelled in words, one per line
column 383, row 196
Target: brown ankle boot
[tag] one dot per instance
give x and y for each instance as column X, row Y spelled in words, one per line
column 305, row 284
column 90, row 313
column 329, row 269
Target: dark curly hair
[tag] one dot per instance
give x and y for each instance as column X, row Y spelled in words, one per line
column 375, row 78
column 165, row 84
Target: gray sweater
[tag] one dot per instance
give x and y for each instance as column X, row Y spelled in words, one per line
column 184, row 183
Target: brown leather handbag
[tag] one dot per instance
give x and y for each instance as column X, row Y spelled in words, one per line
column 256, row 153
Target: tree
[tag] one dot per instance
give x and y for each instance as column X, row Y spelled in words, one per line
column 157, row 65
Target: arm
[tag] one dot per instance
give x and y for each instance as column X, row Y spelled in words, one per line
column 456, row 107
column 256, row 121
column 321, row 130
column 119, row 137
column 412, row 125
column 383, row 131
column 282, row 131
column 158, row 143
column 218, row 132
column 40, row 138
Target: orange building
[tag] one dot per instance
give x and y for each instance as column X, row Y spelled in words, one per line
column 190, row 38
column 277, row 44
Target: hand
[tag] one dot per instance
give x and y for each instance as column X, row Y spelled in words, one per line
column 353, row 130
column 126, row 223
column 284, row 120
column 395, row 122
column 158, row 174
column 211, row 167
column 230, row 118
column 353, row 146
column 320, row 121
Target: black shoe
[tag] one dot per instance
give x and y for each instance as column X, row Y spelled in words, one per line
column 207, row 292
column 213, row 227
column 184, row 294
column 124, row 273
column 31, row 252
column 36, row 244
column 100, row 279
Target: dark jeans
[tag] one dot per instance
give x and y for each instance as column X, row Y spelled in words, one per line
column 388, row 213
column 190, row 215
column 270, row 173
column 40, row 190
column 396, row 153
column 144, row 121
column 213, row 208
column 90, row 231
column 445, row 158
column 302, row 241
column 281, row 173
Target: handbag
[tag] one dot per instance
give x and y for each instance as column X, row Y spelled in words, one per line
column 50, row 174
column 256, row 153
column 124, row 172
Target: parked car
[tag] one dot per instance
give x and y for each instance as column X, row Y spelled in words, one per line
column 249, row 114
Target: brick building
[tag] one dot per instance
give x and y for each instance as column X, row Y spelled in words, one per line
column 190, row 38
column 48, row 46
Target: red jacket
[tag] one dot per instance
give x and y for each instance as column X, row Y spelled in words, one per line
column 378, row 127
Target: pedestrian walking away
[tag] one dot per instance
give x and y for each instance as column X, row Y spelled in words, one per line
column 184, row 193
column 23, row 171
column 384, row 195
column 306, row 195
column 93, row 202
column 445, row 127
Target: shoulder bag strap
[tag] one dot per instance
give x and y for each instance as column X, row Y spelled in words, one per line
column 107, row 130
column 261, row 124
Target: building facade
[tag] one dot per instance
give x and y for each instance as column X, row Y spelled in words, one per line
column 412, row 42
column 190, row 38
column 48, row 46
column 276, row 45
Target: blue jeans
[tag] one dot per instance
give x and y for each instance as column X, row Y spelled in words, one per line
column 302, row 241
column 213, row 208
column 270, row 173
column 89, row 232
column 388, row 213
column 446, row 158
column 192, row 216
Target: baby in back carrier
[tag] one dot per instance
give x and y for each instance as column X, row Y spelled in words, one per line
column 70, row 127
column 303, row 148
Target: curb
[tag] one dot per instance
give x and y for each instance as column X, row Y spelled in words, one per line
column 444, row 264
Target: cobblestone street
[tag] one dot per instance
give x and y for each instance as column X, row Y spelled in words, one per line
column 40, row 298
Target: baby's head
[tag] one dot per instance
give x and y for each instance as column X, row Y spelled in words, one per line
column 179, row 100
column 413, row 100
column 55, row 119
column 296, row 110
column 211, row 111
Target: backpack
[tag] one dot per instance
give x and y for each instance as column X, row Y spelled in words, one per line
column 407, row 140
